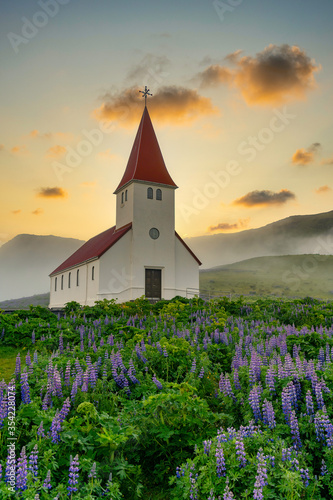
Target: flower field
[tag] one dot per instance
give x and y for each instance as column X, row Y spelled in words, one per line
column 182, row 399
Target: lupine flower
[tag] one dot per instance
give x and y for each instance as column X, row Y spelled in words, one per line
column 309, row 403
column 261, row 477
column 55, row 428
column 293, row 423
column 225, row 386
column 227, row 495
column 194, row 366
column 157, row 383
column 73, row 475
column 21, row 471
column 202, row 373
column 25, row 389
column 3, row 410
column 220, row 462
column 33, row 459
column 47, row 481
column 305, row 476
column 92, row 473
column 323, row 468
column 64, row 410
column 240, row 451
column 236, row 380
column 268, row 414
column 254, row 400
column 18, row 366
column 165, row 352
column 319, row 396
column 68, row 374
column 207, row 444
column 40, row 430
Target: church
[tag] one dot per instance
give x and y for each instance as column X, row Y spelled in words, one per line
column 142, row 255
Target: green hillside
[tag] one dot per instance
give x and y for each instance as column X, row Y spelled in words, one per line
column 282, row 276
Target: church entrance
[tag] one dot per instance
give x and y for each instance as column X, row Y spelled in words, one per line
column 153, row 284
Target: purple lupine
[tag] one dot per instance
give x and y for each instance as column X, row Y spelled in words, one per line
column 268, row 414
column 220, row 462
column 207, row 444
column 25, row 389
column 225, row 386
column 55, row 428
column 286, row 403
column 3, row 410
column 28, row 359
column 193, row 488
column 236, row 380
column 201, row 373
column 73, row 475
column 33, row 459
column 35, row 357
column 227, row 494
column 165, row 352
column 293, row 423
column 47, row 481
column 0, row 471
column 57, row 383
column 254, row 400
column 33, row 337
column 323, row 468
column 64, row 410
column 21, row 471
column 40, row 430
column 261, row 477
column 309, row 403
column 319, row 395
column 68, row 374
column 305, row 476
column 194, row 366
column 240, row 451
column 92, row 473
column 157, row 382
column 324, row 428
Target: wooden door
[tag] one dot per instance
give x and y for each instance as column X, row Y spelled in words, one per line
column 153, row 284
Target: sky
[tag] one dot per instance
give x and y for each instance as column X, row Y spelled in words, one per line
column 242, row 109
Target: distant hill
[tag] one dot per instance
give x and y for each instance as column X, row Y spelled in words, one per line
column 28, row 259
column 282, row 276
column 42, row 299
column 299, row 234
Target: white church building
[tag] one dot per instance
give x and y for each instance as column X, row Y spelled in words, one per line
column 142, row 255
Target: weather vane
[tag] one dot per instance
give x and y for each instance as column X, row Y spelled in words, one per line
column 145, row 93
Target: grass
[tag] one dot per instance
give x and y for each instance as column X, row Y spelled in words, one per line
column 8, row 360
column 282, row 276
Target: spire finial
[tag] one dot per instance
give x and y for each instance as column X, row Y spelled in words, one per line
column 145, row 93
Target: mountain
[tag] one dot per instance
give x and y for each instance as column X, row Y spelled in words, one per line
column 299, row 234
column 282, row 276
column 28, row 259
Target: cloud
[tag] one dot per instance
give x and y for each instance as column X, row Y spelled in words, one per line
column 56, row 151
column 327, row 161
column 150, row 68
column 170, row 104
column 305, row 156
column 323, row 190
column 2, row 147
column 275, row 75
column 38, row 211
column 107, row 155
column 35, row 134
column 54, row 192
column 265, row 197
column 225, row 226
column 16, row 212
column 19, row 150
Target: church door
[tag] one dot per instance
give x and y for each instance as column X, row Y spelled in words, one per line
column 153, row 284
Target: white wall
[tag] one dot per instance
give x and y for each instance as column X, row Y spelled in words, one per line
column 187, row 270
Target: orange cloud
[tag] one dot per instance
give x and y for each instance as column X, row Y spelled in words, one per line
column 16, row 212
column 171, row 104
column 225, row 226
column 55, row 192
column 305, row 156
column 2, row 147
column 106, row 155
column 89, row 184
column 327, row 161
column 323, row 190
column 265, row 198
column 35, row 134
column 56, row 151
column 275, row 75
column 19, row 150
column 38, row 211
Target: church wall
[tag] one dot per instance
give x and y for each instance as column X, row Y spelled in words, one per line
column 124, row 209
column 187, row 272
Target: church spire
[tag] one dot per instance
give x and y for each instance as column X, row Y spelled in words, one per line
column 146, row 162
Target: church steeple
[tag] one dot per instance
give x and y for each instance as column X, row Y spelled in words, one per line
column 146, row 162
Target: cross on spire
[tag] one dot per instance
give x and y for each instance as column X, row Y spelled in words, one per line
column 145, row 93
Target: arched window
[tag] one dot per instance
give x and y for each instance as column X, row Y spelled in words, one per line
column 126, row 195
column 77, row 277
column 122, row 197
column 158, row 194
column 55, row 284
column 150, row 193
column 69, row 280
column 62, row 282
column 93, row 272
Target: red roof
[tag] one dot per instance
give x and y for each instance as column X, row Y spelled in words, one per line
column 188, row 248
column 94, row 248
column 146, row 161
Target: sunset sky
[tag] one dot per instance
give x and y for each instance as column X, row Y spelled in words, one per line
column 242, row 108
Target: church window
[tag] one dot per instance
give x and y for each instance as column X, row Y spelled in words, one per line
column 122, row 197
column 55, row 284
column 126, row 195
column 154, row 233
column 62, row 282
column 150, row 193
column 77, row 277
column 69, row 280
column 93, row 272
column 158, row 194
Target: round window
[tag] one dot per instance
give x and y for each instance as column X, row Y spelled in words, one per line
column 154, row 233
